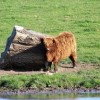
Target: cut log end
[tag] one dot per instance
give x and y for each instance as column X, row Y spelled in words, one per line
column 24, row 50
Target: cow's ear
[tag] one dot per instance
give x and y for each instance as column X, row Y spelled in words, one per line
column 41, row 39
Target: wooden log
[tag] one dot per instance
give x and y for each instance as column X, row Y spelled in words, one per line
column 24, row 50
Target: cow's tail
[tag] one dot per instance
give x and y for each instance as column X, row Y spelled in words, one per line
column 74, row 46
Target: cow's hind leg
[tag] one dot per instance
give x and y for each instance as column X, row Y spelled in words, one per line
column 73, row 59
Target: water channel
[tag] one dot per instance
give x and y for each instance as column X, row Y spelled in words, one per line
column 51, row 96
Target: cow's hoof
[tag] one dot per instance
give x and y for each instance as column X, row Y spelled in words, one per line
column 75, row 67
column 49, row 73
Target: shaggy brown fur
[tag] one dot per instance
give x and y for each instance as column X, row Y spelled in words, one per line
column 60, row 47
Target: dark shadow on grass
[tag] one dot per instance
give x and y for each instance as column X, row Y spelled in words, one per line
column 32, row 59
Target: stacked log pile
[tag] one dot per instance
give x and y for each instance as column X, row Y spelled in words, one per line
column 24, row 50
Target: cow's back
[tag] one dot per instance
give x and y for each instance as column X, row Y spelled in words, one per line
column 65, row 45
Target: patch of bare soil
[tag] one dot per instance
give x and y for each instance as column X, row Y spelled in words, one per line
column 63, row 68
column 79, row 67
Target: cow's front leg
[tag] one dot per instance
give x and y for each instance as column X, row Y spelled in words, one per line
column 48, row 66
column 55, row 67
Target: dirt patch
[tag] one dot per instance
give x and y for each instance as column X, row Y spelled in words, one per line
column 79, row 67
column 63, row 68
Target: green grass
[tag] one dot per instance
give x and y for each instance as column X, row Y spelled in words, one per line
column 81, row 79
column 51, row 17
column 81, row 17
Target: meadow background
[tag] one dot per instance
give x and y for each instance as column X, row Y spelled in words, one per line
column 81, row 17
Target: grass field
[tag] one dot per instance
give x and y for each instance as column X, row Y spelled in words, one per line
column 81, row 17
column 80, row 80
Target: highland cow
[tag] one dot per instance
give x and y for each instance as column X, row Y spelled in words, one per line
column 60, row 47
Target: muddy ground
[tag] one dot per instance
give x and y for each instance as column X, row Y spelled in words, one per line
column 62, row 68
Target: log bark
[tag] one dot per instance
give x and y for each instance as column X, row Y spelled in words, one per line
column 24, row 50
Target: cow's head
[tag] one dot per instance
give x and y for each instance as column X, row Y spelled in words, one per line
column 50, row 47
